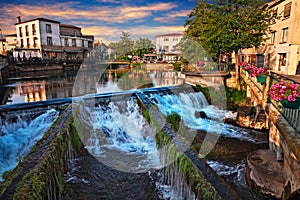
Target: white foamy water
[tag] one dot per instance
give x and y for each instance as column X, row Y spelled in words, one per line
column 187, row 104
column 120, row 136
column 19, row 137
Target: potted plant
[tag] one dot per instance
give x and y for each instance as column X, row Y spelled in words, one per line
column 287, row 93
column 259, row 72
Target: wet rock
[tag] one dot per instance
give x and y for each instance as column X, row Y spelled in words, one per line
column 265, row 175
column 251, row 117
column 201, row 114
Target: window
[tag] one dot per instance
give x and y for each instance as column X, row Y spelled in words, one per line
column 73, row 42
column 26, row 30
column 282, row 62
column 20, row 31
column 33, row 29
column 284, row 35
column 66, row 42
column 175, row 39
column 166, row 48
column 82, row 43
column 166, row 39
column 287, row 10
column 22, row 43
column 90, row 44
column 28, row 43
column 272, row 37
column 48, row 28
column 35, row 42
column 49, row 40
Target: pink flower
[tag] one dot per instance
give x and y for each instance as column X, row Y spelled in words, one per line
column 284, row 90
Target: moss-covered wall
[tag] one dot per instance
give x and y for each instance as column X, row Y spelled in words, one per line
column 45, row 180
column 192, row 176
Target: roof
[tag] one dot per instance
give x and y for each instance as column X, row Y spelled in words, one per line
column 274, row 3
column 69, row 26
column 170, row 34
column 40, row 19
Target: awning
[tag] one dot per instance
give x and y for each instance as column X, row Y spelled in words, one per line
column 53, row 50
column 73, row 51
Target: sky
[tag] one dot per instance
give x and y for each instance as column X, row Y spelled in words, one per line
column 105, row 19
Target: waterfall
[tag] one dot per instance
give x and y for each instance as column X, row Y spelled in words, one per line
column 172, row 185
column 187, row 104
column 119, row 136
column 20, row 135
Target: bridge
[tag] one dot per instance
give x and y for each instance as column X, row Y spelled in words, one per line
column 283, row 155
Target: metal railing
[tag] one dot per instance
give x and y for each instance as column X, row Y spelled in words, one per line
column 291, row 115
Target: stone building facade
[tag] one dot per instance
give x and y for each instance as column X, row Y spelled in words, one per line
column 43, row 38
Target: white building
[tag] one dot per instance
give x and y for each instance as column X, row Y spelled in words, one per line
column 166, row 46
column 49, row 39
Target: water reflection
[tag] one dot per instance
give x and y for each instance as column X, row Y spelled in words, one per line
column 60, row 84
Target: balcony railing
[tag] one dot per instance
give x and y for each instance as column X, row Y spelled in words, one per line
column 291, row 115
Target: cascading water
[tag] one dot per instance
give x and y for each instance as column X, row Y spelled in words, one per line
column 187, row 104
column 18, row 137
column 120, row 136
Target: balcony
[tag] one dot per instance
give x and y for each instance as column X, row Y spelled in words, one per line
column 292, row 116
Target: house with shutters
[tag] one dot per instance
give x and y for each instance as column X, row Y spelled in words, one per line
column 43, row 38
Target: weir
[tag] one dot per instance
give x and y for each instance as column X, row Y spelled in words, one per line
column 60, row 151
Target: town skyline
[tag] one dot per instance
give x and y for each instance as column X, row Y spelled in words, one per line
column 105, row 19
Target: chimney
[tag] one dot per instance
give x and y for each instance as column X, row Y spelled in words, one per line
column 19, row 19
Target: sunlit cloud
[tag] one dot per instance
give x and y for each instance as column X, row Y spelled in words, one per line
column 173, row 16
column 101, row 21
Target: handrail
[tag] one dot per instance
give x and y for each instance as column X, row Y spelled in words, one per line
column 291, row 115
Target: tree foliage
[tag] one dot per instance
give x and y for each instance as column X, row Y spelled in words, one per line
column 192, row 51
column 143, row 46
column 228, row 25
column 124, row 46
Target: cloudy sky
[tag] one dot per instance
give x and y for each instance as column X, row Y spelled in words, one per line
column 105, row 19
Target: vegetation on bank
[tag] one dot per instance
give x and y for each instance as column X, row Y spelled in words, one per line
column 234, row 97
column 193, row 177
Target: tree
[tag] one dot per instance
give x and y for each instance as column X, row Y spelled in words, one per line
column 124, row 46
column 228, row 24
column 142, row 46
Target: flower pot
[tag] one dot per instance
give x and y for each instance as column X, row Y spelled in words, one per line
column 291, row 104
column 261, row 78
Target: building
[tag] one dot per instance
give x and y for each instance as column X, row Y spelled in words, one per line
column 166, row 46
column 11, row 42
column 49, row 39
column 283, row 42
column 280, row 50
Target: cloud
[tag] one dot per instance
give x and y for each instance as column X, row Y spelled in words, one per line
column 169, row 17
column 68, row 11
column 101, row 21
column 112, row 34
column 109, row 1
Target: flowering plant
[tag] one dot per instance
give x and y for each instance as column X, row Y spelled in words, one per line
column 283, row 90
column 243, row 64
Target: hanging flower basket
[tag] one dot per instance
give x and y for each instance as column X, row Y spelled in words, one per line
column 291, row 104
column 261, row 78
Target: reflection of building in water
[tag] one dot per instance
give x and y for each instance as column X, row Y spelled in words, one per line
column 167, row 78
column 32, row 91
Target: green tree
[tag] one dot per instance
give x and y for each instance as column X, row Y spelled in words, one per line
column 192, row 51
column 142, row 46
column 228, row 25
column 124, row 47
